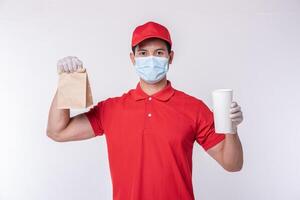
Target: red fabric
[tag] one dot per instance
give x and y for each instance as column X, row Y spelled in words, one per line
column 150, row 157
column 150, row 30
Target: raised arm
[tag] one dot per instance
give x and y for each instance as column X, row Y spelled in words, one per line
column 61, row 127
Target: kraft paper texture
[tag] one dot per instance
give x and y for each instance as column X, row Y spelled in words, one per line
column 74, row 90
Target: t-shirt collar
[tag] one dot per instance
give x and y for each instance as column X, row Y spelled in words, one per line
column 163, row 95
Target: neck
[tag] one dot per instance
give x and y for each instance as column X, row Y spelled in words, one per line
column 153, row 88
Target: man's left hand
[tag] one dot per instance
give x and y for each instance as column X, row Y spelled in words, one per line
column 236, row 115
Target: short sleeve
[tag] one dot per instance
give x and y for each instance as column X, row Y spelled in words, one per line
column 95, row 117
column 206, row 135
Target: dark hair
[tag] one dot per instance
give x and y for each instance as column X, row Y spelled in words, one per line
column 167, row 44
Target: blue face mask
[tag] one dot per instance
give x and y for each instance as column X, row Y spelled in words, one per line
column 151, row 69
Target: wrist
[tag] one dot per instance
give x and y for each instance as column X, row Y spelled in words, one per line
column 234, row 129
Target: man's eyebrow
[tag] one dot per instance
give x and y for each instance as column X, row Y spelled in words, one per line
column 160, row 49
column 142, row 50
column 155, row 49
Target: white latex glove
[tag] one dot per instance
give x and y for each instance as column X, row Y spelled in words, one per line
column 236, row 115
column 69, row 64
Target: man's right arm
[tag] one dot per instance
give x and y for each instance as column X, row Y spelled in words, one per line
column 61, row 127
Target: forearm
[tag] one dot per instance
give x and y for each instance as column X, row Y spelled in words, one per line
column 58, row 119
column 232, row 153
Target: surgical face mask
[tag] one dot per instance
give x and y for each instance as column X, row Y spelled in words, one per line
column 151, row 69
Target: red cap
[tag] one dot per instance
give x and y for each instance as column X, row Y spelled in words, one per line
column 150, row 30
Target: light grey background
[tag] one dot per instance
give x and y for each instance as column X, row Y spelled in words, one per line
column 249, row 46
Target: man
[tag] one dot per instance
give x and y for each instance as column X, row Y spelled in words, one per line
column 150, row 130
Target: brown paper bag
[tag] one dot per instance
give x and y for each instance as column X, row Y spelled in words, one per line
column 74, row 90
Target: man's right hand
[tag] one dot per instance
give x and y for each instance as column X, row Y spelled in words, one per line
column 61, row 127
column 69, row 64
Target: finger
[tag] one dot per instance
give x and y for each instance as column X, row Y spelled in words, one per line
column 79, row 63
column 66, row 68
column 236, row 119
column 233, row 104
column 69, row 64
column 74, row 64
column 235, row 109
column 235, row 115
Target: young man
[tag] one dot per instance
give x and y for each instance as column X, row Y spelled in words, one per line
column 150, row 130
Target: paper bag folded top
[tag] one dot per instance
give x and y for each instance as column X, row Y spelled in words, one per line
column 74, row 90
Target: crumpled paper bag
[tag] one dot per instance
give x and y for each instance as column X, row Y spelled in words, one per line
column 74, row 90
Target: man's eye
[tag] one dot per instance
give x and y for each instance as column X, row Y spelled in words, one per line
column 142, row 53
column 160, row 53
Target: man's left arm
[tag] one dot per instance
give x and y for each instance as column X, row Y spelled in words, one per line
column 229, row 152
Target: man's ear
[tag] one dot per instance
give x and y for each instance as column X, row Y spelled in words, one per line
column 132, row 58
column 171, row 56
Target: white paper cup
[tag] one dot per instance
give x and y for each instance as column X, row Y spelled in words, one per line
column 222, row 99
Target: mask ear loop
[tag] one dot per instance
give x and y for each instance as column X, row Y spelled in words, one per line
column 167, row 65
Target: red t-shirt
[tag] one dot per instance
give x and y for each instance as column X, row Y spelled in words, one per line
column 150, row 141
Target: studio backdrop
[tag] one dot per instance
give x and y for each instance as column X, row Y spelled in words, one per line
column 252, row 47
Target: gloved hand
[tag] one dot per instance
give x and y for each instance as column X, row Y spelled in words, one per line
column 236, row 115
column 69, row 64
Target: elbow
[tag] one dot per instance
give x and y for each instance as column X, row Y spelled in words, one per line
column 233, row 165
column 236, row 168
column 54, row 136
